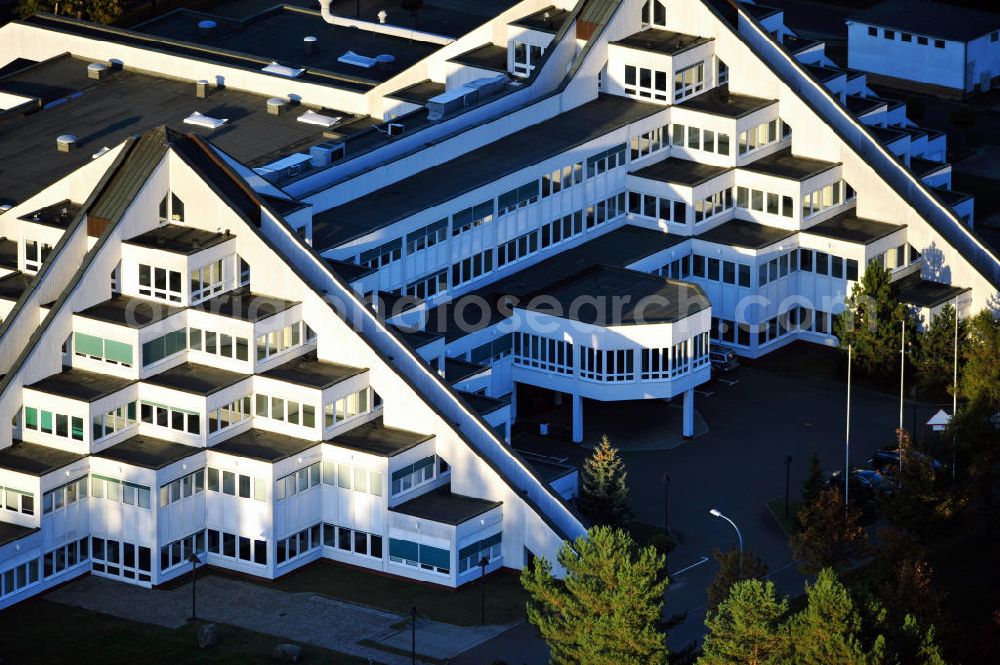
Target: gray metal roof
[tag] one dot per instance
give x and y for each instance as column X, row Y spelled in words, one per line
column 741, row 233
column 375, row 438
column 148, row 452
column 783, row 164
column 845, row 226
column 445, row 507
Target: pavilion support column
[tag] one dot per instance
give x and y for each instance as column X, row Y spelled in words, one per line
column 577, row 418
column 688, row 423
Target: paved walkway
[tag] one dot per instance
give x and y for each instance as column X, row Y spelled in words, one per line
column 305, row 618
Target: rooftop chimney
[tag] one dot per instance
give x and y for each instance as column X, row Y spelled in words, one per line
column 96, row 71
column 66, row 142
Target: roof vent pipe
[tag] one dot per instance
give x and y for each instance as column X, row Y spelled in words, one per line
column 206, row 28
column 96, row 71
column 201, row 89
column 276, row 105
column 65, row 142
column 309, row 44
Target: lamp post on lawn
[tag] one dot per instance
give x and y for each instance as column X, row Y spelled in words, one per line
column 413, row 635
column 666, row 504
column 788, row 480
column 715, row 513
column 485, row 561
column 194, row 561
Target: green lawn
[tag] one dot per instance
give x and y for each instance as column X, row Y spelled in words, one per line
column 505, row 599
column 777, row 509
column 41, row 631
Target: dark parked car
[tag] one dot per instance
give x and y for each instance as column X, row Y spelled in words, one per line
column 886, row 460
column 724, row 360
column 865, row 485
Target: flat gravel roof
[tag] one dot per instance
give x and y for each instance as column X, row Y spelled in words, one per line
column 375, row 438
column 34, row 459
column 148, row 452
column 445, row 507
column 81, row 385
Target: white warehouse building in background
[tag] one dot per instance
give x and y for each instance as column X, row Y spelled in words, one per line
column 277, row 289
column 947, row 49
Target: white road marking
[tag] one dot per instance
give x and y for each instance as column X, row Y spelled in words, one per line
column 730, row 382
column 705, row 394
column 687, row 568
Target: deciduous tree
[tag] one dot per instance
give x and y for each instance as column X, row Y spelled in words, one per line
column 603, row 489
column 729, row 573
column 608, row 608
column 829, row 535
column 813, row 483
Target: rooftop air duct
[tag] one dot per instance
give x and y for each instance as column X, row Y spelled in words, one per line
column 65, row 142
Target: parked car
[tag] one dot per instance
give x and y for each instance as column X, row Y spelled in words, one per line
column 886, row 460
column 724, row 360
column 864, row 485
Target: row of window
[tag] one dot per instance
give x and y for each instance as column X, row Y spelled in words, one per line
column 490, row 352
column 488, row 548
column 182, row 488
column 908, row 37
column 429, row 285
column 206, row 281
column 122, row 559
column 35, row 254
column 64, row 557
column 669, row 362
column 472, row 217
column 353, row 477
column 18, row 501
column 159, row 283
column 651, row 83
column 281, row 340
column 471, row 267
column 106, row 350
column 219, row 344
column 649, row 142
column 168, row 416
column 719, row 270
column 413, row 475
column 64, row 495
column 607, row 365
column 236, row 484
column 352, row 540
column 179, row 552
column 67, row 427
column 240, row 548
column 298, row 481
column 425, row 557
column 164, row 346
column 654, row 207
column 427, row 236
column 826, row 197
column 526, row 58
column 288, row 411
column 764, row 134
column 383, row 254
column 116, row 490
column 298, row 544
column 696, row 138
column 543, row 353
column 19, row 577
column 229, row 415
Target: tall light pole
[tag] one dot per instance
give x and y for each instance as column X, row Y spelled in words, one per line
column 954, row 392
column 715, row 513
column 902, row 370
column 413, row 638
column 847, row 433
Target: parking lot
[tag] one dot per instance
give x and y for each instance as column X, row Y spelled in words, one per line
column 754, row 419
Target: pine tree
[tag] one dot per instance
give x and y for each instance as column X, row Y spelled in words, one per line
column 729, row 574
column 935, row 353
column 829, row 535
column 608, row 608
column 603, row 489
column 871, row 320
column 745, row 628
column 813, row 483
column 829, row 629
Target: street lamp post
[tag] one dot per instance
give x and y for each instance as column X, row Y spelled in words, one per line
column 847, row 433
column 413, row 635
column 788, row 480
column 194, row 561
column 666, row 504
column 485, row 561
column 715, row 513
